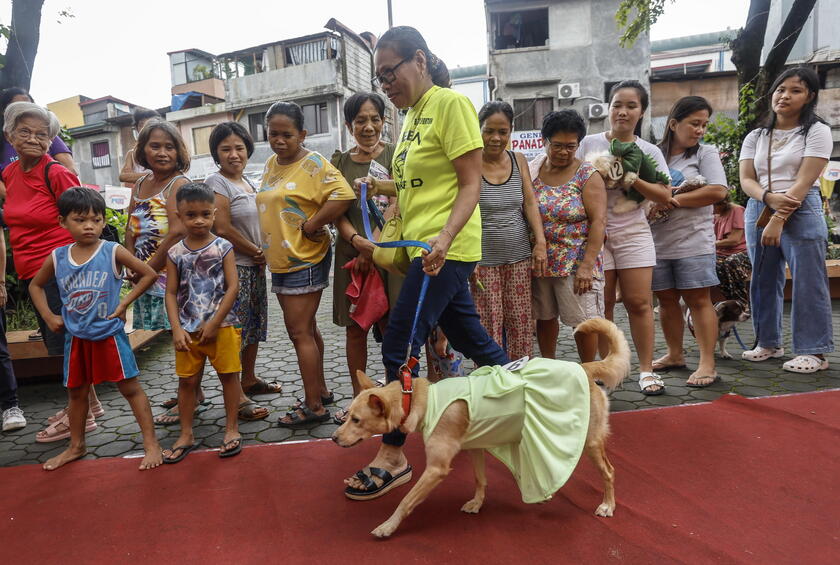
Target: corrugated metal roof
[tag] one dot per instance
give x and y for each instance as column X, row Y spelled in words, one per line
column 688, row 41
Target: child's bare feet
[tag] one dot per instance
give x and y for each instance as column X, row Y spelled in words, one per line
column 153, row 457
column 67, row 456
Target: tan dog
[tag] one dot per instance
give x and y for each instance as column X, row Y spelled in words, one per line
column 379, row 410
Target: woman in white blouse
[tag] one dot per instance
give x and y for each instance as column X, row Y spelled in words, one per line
column 779, row 164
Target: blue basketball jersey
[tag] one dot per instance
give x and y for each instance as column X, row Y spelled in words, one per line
column 90, row 292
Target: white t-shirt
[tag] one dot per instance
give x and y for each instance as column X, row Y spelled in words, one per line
column 689, row 232
column 598, row 143
column 788, row 149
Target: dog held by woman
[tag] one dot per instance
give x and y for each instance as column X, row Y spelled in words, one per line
column 536, row 416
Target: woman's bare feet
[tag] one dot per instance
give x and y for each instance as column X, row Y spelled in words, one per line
column 390, row 457
column 67, row 456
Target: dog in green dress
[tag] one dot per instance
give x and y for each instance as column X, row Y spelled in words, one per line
column 536, row 416
column 621, row 166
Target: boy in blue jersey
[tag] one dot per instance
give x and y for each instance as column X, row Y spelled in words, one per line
column 96, row 349
column 201, row 289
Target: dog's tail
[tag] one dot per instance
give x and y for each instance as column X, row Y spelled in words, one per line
column 616, row 366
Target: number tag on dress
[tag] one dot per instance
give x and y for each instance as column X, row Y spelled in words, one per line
column 616, row 170
column 514, row 366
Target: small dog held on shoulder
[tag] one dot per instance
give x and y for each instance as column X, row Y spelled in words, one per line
column 379, row 410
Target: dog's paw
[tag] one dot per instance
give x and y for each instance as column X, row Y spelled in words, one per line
column 605, row 510
column 384, row 530
column 472, row 506
column 725, row 355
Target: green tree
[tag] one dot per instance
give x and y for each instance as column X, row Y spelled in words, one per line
column 22, row 38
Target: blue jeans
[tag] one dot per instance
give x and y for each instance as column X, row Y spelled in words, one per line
column 8, row 383
column 449, row 305
column 803, row 246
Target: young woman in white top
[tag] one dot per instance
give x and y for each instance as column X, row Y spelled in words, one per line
column 780, row 162
column 685, row 241
column 629, row 255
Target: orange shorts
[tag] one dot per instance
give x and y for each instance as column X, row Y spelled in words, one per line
column 223, row 354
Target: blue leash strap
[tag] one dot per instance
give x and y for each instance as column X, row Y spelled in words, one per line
column 424, row 287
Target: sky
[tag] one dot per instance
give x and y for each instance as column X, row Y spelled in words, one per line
column 118, row 47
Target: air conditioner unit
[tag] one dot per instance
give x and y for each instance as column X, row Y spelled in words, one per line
column 568, row 90
column 597, row 111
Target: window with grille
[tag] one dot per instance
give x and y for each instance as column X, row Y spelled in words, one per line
column 100, row 154
column 315, row 118
column 256, row 127
column 528, row 114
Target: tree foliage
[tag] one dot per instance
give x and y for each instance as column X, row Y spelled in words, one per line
column 647, row 13
column 22, row 38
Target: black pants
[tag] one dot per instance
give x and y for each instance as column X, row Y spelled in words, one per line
column 8, row 382
column 53, row 341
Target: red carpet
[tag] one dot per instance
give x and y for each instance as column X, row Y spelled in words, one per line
column 734, row 481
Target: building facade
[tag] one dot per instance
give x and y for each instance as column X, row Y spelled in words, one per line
column 318, row 72
column 553, row 54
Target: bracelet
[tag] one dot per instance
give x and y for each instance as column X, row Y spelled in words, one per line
column 764, row 196
column 780, row 217
column 351, row 238
column 449, row 233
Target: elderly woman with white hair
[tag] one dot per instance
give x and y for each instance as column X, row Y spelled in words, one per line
column 33, row 184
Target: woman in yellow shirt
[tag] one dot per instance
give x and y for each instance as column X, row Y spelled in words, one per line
column 437, row 174
column 301, row 193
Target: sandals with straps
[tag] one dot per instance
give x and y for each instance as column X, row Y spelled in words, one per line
column 647, row 380
column 370, row 490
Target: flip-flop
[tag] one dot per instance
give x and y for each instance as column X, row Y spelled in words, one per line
column 200, row 407
column 185, row 450
column 263, row 387
column 234, row 451
column 173, row 402
column 716, row 379
column 340, row 416
column 662, row 367
column 370, row 490
column 309, row 417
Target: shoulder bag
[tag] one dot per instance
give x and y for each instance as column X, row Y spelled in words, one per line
column 767, row 213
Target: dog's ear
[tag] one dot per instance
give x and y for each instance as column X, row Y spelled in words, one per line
column 364, row 381
column 378, row 405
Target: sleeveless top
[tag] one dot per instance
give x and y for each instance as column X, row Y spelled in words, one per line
column 505, row 237
column 565, row 223
column 532, row 416
column 149, row 224
column 89, row 292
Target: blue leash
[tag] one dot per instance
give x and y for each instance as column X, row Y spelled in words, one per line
column 363, row 201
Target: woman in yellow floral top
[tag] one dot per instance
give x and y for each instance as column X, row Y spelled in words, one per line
column 301, row 193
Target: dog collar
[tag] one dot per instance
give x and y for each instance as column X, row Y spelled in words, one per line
column 407, row 386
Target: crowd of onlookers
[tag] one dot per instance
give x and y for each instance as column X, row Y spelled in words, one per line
column 516, row 247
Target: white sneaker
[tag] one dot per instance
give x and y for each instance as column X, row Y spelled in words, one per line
column 13, row 419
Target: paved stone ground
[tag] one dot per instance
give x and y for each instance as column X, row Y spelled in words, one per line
column 118, row 433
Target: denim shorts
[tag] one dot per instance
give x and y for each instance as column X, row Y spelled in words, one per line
column 304, row 281
column 699, row 271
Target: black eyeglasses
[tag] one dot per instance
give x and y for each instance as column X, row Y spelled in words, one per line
column 388, row 76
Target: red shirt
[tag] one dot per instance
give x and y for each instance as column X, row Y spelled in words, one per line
column 31, row 213
column 734, row 220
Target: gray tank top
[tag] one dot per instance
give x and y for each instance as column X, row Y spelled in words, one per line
column 505, row 237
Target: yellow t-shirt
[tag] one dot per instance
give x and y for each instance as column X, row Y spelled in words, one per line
column 290, row 194
column 440, row 127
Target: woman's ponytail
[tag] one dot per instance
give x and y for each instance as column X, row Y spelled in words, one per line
column 439, row 72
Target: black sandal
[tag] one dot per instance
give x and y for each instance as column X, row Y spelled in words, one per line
column 263, row 387
column 325, row 400
column 309, row 417
column 371, row 490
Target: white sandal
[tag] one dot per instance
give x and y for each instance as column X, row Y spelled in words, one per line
column 647, row 380
column 762, row 353
column 806, row 364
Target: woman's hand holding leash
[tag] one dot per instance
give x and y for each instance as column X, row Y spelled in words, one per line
column 433, row 261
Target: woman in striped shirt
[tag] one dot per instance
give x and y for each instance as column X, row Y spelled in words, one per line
column 501, row 285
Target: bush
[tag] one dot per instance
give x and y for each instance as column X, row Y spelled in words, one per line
column 727, row 135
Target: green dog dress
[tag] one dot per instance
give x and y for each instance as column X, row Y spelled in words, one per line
column 532, row 416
